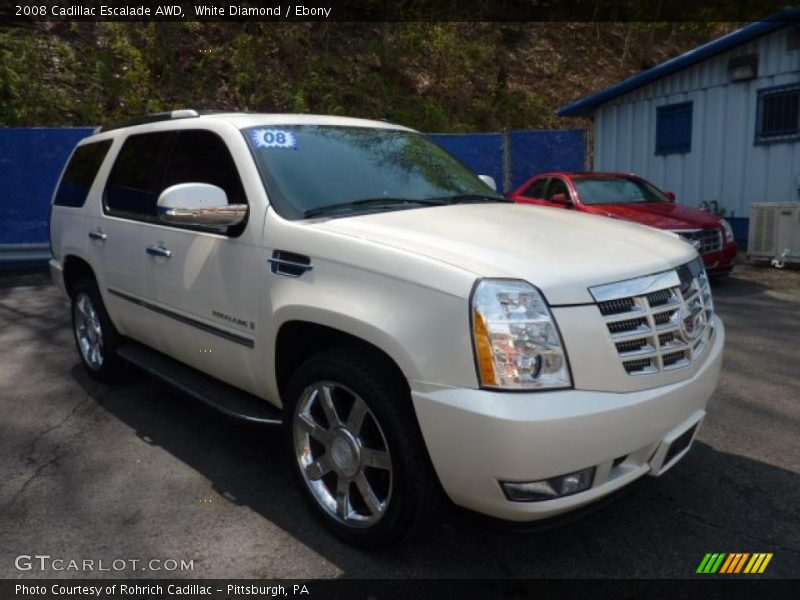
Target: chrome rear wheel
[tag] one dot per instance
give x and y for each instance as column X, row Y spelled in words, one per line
column 88, row 330
column 95, row 335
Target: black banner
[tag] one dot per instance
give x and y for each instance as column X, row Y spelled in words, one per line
column 351, row 589
column 20, row 11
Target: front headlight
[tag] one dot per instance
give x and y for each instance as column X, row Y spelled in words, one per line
column 727, row 231
column 517, row 345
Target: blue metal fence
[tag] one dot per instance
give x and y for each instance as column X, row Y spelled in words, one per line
column 533, row 152
column 481, row 152
column 515, row 156
column 30, row 163
column 31, row 160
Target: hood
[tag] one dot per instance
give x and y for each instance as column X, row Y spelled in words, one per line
column 561, row 252
column 663, row 215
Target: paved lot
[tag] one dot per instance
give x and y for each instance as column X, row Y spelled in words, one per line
column 140, row 471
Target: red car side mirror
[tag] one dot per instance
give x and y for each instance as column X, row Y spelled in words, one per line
column 560, row 199
column 670, row 196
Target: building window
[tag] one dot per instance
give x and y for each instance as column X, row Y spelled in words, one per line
column 674, row 128
column 793, row 39
column 778, row 115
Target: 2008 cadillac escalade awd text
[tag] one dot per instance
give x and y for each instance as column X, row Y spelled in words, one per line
column 412, row 330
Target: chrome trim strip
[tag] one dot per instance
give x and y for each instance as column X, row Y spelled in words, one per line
column 686, row 310
column 280, row 262
column 638, row 286
column 232, row 337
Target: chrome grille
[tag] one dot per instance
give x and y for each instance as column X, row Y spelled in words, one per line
column 704, row 240
column 659, row 322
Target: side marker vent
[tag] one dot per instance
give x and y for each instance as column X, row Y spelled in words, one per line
column 289, row 263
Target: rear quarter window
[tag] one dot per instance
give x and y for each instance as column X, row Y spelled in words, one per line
column 80, row 174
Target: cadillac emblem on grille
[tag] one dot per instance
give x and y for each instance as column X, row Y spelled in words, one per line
column 659, row 322
column 691, row 324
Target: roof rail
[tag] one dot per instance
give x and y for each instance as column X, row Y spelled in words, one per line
column 150, row 118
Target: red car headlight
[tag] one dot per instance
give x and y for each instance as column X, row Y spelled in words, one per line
column 727, row 232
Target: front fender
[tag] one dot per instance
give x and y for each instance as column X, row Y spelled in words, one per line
column 425, row 331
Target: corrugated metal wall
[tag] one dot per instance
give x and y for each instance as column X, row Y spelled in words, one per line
column 724, row 164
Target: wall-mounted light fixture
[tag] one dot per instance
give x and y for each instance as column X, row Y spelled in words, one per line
column 742, row 68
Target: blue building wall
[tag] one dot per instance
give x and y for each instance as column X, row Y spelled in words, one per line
column 31, row 160
column 725, row 162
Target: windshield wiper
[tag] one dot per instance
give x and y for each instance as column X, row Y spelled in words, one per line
column 469, row 198
column 377, row 202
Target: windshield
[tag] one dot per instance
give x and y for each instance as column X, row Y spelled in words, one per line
column 311, row 170
column 605, row 190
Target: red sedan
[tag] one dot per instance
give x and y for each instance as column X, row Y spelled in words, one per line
column 626, row 196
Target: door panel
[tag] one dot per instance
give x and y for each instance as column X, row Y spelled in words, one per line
column 116, row 235
column 203, row 286
column 115, row 249
column 206, row 296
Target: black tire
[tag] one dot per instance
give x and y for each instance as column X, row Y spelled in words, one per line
column 415, row 494
column 110, row 366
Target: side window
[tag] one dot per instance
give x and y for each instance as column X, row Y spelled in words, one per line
column 557, row 187
column 778, row 115
column 80, row 174
column 674, row 128
column 536, row 189
column 134, row 183
column 202, row 157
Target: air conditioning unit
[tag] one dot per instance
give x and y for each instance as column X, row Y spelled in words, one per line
column 775, row 233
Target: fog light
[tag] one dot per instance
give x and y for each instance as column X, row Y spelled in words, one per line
column 549, row 489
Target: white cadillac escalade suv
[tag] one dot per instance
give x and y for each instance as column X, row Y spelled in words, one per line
column 412, row 330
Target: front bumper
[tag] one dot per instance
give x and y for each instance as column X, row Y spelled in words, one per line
column 721, row 262
column 477, row 438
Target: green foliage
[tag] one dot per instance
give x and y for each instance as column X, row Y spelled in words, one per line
column 446, row 77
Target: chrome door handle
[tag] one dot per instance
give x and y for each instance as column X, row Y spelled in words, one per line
column 158, row 250
column 98, row 236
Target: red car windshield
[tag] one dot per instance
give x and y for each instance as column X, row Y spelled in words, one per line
column 621, row 190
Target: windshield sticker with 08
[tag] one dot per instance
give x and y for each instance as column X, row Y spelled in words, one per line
column 274, row 138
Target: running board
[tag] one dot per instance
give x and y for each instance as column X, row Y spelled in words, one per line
column 221, row 396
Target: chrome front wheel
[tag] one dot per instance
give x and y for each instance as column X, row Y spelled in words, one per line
column 342, row 453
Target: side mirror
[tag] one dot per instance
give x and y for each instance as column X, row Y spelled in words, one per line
column 560, row 199
column 670, row 196
column 488, row 180
column 199, row 205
